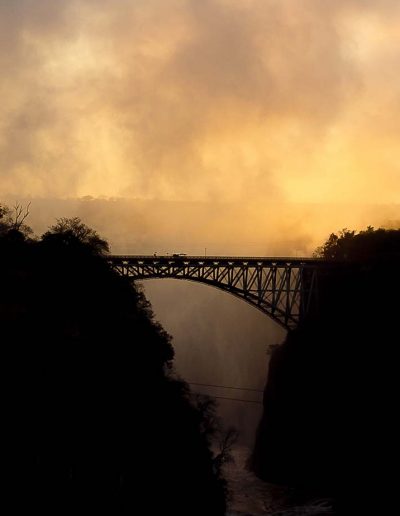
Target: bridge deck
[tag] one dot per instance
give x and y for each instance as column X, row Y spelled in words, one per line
column 250, row 260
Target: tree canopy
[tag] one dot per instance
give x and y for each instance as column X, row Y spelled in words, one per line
column 370, row 244
column 73, row 232
column 12, row 221
column 94, row 422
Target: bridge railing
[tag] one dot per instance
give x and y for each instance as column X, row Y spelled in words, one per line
column 216, row 258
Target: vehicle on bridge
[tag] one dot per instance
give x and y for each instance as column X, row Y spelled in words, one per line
column 178, row 255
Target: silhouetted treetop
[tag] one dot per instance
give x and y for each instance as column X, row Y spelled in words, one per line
column 367, row 245
column 72, row 232
column 3, row 211
column 4, row 219
column 12, row 221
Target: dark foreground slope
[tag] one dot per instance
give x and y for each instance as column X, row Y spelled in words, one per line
column 93, row 424
column 331, row 401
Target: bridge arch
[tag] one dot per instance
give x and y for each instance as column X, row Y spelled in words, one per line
column 281, row 288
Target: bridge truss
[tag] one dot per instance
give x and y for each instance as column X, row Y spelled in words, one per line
column 283, row 288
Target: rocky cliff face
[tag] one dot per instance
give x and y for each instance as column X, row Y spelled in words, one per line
column 329, row 403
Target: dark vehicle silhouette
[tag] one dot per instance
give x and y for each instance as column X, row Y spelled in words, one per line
column 178, row 255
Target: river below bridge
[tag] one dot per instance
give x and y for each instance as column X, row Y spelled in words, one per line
column 250, row 496
column 221, row 349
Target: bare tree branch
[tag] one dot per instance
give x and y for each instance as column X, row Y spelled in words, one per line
column 20, row 214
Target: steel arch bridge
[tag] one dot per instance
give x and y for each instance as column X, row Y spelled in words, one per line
column 283, row 288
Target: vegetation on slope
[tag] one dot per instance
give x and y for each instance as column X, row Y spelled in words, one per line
column 329, row 404
column 94, row 423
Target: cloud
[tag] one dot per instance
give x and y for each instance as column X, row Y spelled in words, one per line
column 185, row 100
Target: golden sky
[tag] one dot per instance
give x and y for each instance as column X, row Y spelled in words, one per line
column 243, row 101
column 243, row 127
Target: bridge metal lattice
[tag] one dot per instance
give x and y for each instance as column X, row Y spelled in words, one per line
column 283, row 288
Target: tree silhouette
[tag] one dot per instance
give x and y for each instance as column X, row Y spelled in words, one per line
column 72, row 232
column 365, row 246
column 329, row 404
column 94, row 422
column 12, row 221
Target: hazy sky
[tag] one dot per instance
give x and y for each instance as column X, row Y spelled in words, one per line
column 236, row 126
column 201, row 100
